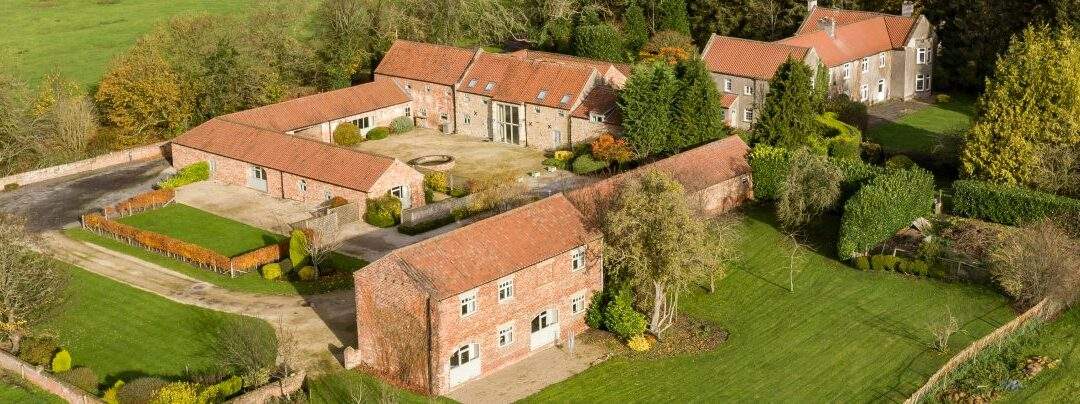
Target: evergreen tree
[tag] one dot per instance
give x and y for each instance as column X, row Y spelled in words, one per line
column 637, row 33
column 646, row 102
column 787, row 116
column 673, row 17
column 1030, row 107
column 821, row 87
column 601, row 41
column 699, row 114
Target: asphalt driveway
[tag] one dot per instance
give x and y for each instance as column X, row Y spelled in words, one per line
column 52, row 204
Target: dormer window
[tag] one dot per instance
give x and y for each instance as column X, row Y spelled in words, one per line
column 541, row 95
column 490, row 85
column 472, row 83
column 565, row 99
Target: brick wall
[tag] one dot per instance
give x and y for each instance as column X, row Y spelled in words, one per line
column 400, row 174
column 430, row 98
column 148, row 152
column 724, row 196
column 45, row 381
column 383, row 290
column 546, row 128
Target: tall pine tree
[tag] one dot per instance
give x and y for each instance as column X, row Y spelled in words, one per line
column 698, row 112
column 787, row 117
column 646, row 102
column 636, row 30
column 673, row 17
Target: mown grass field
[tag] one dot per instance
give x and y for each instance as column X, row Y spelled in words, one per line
column 15, row 390
column 79, row 38
column 1059, row 340
column 920, row 130
column 842, row 336
column 225, row 236
column 348, row 386
column 123, row 332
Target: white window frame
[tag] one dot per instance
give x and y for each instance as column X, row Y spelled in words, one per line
column 472, row 83
column 562, row 114
column 466, row 97
column 881, row 63
column 301, row 185
column 865, row 65
column 922, row 82
column 327, row 195
column 467, row 303
column 727, row 86
column 505, row 335
column 577, row 259
column 556, row 137
column 748, row 115
column 489, row 86
column 881, row 87
column 595, row 117
column 468, row 119
column 362, row 123
column 748, row 90
column 408, row 112
column 577, row 304
column 427, row 88
column 473, row 353
column 847, row 70
column 864, row 92
column 506, row 290
column 565, row 99
column 536, row 110
column 922, row 56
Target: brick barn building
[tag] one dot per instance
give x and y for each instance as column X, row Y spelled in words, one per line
column 461, row 305
column 427, row 73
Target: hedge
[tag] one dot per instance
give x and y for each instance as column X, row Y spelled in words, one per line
column 770, row 167
column 427, row 226
column 378, row 133
column 144, row 201
column 384, row 211
column 586, row 164
column 843, row 140
column 1007, row 204
column 191, row 174
column 890, row 202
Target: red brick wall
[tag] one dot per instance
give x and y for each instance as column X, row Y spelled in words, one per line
column 400, row 174
column 724, row 196
column 383, row 289
column 549, row 284
column 436, row 99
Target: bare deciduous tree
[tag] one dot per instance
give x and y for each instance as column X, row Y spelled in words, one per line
column 720, row 246
column 243, row 346
column 943, row 330
column 1038, row 262
column 324, row 238
column 796, row 258
column 31, row 286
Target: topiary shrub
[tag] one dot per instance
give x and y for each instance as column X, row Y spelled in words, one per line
column 140, row 390
column 378, row 133
column 586, row 164
column 862, row 263
column 402, row 124
column 38, row 351
column 890, row 202
column 188, row 175
column 61, row 362
column 82, row 377
column 271, row 272
column 176, row 393
column 308, row 273
column 621, row 318
column 842, row 140
column 899, row 162
column 112, row 395
column 298, row 254
column 347, row 134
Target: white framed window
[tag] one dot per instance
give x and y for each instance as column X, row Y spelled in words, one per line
column 301, row 185
column 362, row 123
column 408, row 87
column 748, row 90
column 727, row 86
column 577, row 303
column 565, row 99
column 467, row 353
column 747, row 115
column 506, row 290
column 467, row 97
column 847, row 70
column 881, row 88
column 327, row 195
column 556, row 137
column 922, row 56
column 598, row 118
column 408, row 111
column 536, row 110
column 427, row 89
column 562, row 114
column 864, row 92
column 577, row 259
column 922, row 82
column 444, row 117
column 468, row 119
column 506, row 335
column 881, row 60
column 541, row 95
column 259, row 173
column 733, row 112
column 422, row 113
column 865, row 65
column 468, row 303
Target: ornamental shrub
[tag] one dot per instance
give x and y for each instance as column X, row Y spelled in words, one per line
column 554, row 162
column 61, row 362
column 308, row 273
column 112, row 395
column 1008, row 204
column 586, row 164
column 82, row 377
column 621, row 318
column 140, row 390
column 38, row 351
column 899, row 162
column 564, row 155
column 298, row 254
column 862, row 262
column 176, row 393
column 271, row 271
column 378, row 133
column 890, row 202
column 384, row 211
column 877, row 262
column 770, row 167
column 842, row 140
column 188, row 175
column 347, row 134
column 639, row 343
column 437, row 181
column 594, row 316
column 401, row 124
column 427, row 226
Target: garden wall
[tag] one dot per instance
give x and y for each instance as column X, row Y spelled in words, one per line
column 282, row 388
column 148, row 152
column 45, row 381
column 434, row 210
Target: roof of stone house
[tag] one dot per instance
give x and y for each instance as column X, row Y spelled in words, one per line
column 513, row 79
column 600, row 65
column 727, row 100
column 748, row 58
column 484, row 251
column 291, row 154
column 318, row 108
column 432, row 63
column 601, row 100
column 858, row 34
column 696, row 169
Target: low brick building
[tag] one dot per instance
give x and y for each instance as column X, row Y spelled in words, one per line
column 469, row 302
column 292, row 167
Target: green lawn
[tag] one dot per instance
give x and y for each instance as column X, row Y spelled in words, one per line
column 920, row 130
column 348, row 386
column 249, row 282
column 225, row 236
column 16, row 390
column 1060, row 340
column 80, row 37
column 123, row 332
column 843, row 336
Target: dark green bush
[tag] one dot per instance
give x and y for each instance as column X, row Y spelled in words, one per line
column 621, row 318
column 401, row 124
column 848, row 111
column 862, row 263
column 427, row 226
column 594, row 316
column 586, row 164
column 1009, row 204
column 554, row 162
column 82, row 377
column 38, row 351
column 378, row 132
column 429, row 195
column 899, row 162
column 877, row 263
column 188, row 175
column 890, row 202
column 347, row 134
column 871, row 152
column 379, row 218
column 770, row 167
column 140, row 390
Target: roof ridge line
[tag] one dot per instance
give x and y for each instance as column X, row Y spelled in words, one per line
column 862, row 11
column 301, row 138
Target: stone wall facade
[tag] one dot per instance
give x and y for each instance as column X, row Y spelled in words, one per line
column 743, row 102
column 432, row 104
column 546, row 128
column 474, row 117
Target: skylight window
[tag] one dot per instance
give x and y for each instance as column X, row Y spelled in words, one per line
column 540, row 96
column 490, row 85
column 565, row 99
column 472, row 83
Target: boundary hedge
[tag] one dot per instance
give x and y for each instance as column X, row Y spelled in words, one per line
column 890, row 202
column 770, row 167
column 142, row 202
column 1008, row 204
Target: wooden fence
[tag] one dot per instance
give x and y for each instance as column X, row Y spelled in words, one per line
column 45, row 380
column 1042, row 311
column 140, row 203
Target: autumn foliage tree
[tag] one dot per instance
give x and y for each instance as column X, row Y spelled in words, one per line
column 607, row 147
column 31, row 285
column 142, row 98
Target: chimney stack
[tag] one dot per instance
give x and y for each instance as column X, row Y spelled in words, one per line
column 828, row 25
column 811, row 5
column 907, row 8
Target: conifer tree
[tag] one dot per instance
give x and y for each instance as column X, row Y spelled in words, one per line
column 673, row 17
column 698, row 114
column 646, row 102
column 636, row 31
column 787, row 116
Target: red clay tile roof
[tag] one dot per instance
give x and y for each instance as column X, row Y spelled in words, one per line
column 601, row 100
column 600, row 65
column 323, row 107
column 748, row 58
column 727, row 100
column 487, row 250
column 432, row 63
column 306, row 158
column 695, row 169
column 512, row 79
column 858, row 34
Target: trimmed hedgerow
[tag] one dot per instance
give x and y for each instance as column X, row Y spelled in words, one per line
column 770, row 167
column 188, row 175
column 1007, row 204
column 423, row 227
column 38, row 350
column 378, row 133
column 843, row 140
column 887, row 204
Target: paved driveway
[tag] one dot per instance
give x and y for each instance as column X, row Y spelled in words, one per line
column 52, row 204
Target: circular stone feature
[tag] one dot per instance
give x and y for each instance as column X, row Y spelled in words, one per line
column 434, row 162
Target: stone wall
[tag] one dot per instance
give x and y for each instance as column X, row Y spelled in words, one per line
column 281, row 388
column 546, row 128
column 45, row 381
column 148, row 152
column 429, row 101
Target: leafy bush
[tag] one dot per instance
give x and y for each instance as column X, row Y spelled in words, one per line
column 176, row 393
column 112, row 395
column 621, row 318
column 607, row 147
column 871, row 152
column 308, row 273
column 594, row 316
column 770, row 166
column 256, row 378
column 140, row 390
column 271, row 271
column 899, row 162
column 188, row 175
column 437, row 181
column 586, row 164
column 384, row 211
column 459, row 192
column 848, row 111
column 82, row 377
column 564, row 155
column 61, row 362
column 38, row 351
column 401, row 124
column 221, row 391
column 1008, row 204
column 554, row 162
column 347, row 134
column 378, row 133
column 890, row 202
column 427, row 226
column 298, row 254
column 862, row 262
column 639, row 343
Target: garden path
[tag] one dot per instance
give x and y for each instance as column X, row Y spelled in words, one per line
column 321, row 324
